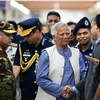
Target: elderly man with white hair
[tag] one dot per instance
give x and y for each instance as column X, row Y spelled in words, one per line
column 59, row 66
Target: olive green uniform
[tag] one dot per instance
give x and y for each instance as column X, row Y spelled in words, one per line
column 7, row 80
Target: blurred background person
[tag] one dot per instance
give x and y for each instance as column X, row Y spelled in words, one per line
column 52, row 18
column 11, row 50
column 16, row 38
column 73, row 42
column 45, row 29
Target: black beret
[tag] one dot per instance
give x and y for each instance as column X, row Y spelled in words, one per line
column 83, row 23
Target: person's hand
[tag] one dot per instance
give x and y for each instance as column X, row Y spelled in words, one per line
column 64, row 92
column 67, row 92
column 94, row 60
column 70, row 92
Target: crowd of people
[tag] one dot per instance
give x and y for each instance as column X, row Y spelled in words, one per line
column 61, row 63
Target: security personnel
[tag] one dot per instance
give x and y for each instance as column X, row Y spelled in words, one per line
column 27, row 55
column 52, row 18
column 7, row 80
column 83, row 36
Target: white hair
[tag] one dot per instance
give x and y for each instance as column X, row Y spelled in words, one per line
column 57, row 25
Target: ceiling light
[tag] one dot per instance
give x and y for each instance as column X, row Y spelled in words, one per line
column 21, row 7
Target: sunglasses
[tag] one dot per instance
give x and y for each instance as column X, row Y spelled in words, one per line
column 50, row 21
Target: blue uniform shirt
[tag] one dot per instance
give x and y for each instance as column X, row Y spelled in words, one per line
column 68, row 76
column 49, row 37
column 88, row 52
column 28, row 85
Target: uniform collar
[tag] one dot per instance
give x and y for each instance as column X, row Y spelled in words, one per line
column 91, row 47
column 42, row 41
column 49, row 35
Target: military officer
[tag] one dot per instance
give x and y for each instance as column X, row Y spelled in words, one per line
column 83, row 36
column 7, row 80
column 11, row 51
column 27, row 55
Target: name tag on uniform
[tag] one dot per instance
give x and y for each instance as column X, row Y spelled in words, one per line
column 26, row 55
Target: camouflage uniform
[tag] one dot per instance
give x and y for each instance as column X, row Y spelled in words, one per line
column 7, row 80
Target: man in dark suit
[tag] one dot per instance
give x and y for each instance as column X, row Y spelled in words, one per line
column 96, row 78
column 89, row 85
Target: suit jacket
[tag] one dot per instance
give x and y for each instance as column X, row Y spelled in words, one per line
column 87, row 85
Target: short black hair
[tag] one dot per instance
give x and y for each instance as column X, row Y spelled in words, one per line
column 97, row 20
column 71, row 23
column 53, row 13
column 14, row 24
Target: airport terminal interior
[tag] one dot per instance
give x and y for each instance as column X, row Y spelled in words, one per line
column 71, row 10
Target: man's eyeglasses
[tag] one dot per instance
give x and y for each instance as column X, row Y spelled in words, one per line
column 50, row 21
